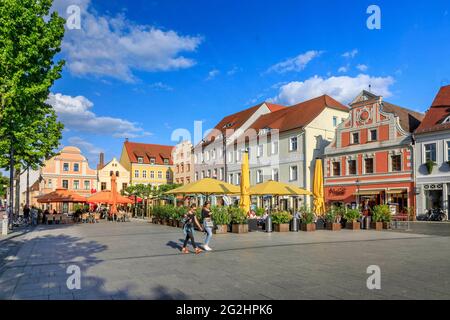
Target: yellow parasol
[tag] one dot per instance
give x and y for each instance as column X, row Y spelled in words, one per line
column 276, row 188
column 319, row 202
column 244, row 202
column 206, row 186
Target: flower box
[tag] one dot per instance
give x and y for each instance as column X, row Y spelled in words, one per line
column 308, row 227
column 239, row 228
column 283, row 227
column 353, row 225
column 221, row 229
column 333, row 226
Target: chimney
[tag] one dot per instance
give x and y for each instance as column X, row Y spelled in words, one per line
column 101, row 162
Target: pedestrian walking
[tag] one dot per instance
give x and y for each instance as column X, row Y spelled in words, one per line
column 190, row 220
column 26, row 214
column 34, row 216
column 208, row 224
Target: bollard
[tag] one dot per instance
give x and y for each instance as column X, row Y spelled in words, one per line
column 294, row 227
column 269, row 223
column 5, row 226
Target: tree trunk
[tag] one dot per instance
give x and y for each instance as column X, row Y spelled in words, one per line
column 17, row 211
column 11, row 186
column 28, row 187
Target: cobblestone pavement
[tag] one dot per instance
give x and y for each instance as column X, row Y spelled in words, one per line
column 138, row 260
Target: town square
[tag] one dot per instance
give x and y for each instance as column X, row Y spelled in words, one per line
column 142, row 159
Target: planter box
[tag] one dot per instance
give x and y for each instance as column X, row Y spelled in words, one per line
column 353, row 225
column 386, row 225
column 284, row 227
column 221, row 229
column 308, row 227
column 378, row 226
column 239, row 228
column 333, row 226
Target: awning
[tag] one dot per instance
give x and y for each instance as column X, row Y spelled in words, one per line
column 396, row 191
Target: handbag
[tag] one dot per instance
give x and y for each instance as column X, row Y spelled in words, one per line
column 209, row 223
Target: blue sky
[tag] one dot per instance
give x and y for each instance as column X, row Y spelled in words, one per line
column 141, row 69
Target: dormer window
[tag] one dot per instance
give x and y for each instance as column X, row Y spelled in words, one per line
column 355, row 137
column 152, row 160
column 447, row 120
column 140, row 160
column 166, row 161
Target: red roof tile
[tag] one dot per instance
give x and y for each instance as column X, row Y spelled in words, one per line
column 439, row 111
column 147, row 151
column 298, row 115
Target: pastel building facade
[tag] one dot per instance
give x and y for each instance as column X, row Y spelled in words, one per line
column 371, row 160
column 183, row 163
column 149, row 164
column 105, row 171
column 432, row 143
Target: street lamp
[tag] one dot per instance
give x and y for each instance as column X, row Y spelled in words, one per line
column 357, row 192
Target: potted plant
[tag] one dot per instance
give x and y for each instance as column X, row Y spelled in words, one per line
column 259, row 212
column 307, row 218
column 378, row 214
column 280, row 220
column 238, row 220
column 387, row 218
column 332, row 219
column 352, row 216
column 221, row 218
column 430, row 165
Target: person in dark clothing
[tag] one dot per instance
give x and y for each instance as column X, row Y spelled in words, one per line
column 208, row 224
column 26, row 213
column 190, row 220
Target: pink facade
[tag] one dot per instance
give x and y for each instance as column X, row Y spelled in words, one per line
column 69, row 170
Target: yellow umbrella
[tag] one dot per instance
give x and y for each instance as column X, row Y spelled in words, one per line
column 277, row 189
column 319, row 202
column 206, row 186
column 244, row 202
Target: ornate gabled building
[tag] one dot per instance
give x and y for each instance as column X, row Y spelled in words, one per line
column 371, row 158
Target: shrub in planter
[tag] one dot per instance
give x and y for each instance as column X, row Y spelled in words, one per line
column 238, row 220
column 221, row 218
column 332, row 219
column 281, row 220
column 307, row 218
column 430, row 165
column 378, row 214
column 352, row 216
column 259, row 212
column 386, row 218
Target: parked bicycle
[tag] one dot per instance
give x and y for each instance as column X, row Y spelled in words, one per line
column 433, row 215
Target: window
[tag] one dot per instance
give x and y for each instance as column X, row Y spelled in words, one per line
column 430, row 152
column 336, row 168
column 117, row 173
column 215, row 173
column 196, row 176
column 124, row 186
column 448, row 150
column 168, row 175
column 259, row 176
column 50, row 183
column 202, row 175
column 103, row 186
column 87, row 184
column 76, row 167
column 213, row 154
column 111, row 173
column 274, row 147
column 221, row 172
column 373, row 135
column 136, row 173
column 65, row 184
column 230, row 178
column 335, row 120
column 65, row 167
column 293, row 144
column 166, row 161
column 140, row 160
column 352, row 167
column 238, row 156
column 209, row 174
column 355, row 137
column 368, row 165
column 76, row 184
column 152, row 160
column 293, row 173
column 159, row 174
column 238, row 178
column 259, row 151
column 144, row 174
column 275, row 174
column 207, row 156
column 396, row 162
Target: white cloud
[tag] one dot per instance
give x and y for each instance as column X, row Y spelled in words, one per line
column 233, row 71
column 362, row 67
column 343, row 88
column 84, row 145
column 350, row 54
column 76, row 115
column 298, row 63
column 212, row 74
column 115, row 46
column 343, row 69
column 161, row 86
